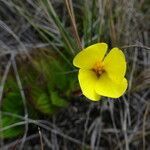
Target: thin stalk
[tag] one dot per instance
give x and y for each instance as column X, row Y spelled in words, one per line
column 73, row 21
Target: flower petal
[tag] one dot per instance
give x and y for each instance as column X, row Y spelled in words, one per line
column 87, row 80
column 115, row 64
column 90, row 55
column 107, row 87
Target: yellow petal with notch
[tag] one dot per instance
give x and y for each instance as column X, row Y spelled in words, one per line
column 90, row 55
column 115, row 64
column 105, row 86
column 87, row 81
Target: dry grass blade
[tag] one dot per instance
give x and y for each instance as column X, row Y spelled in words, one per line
column 9, row 30
column 73, row 21
column 23, row 99
column 41, row 139
column 2, row 88
column 16, row 142
column 144, row 124
column 4, row 79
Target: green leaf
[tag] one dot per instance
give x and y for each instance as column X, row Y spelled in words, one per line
column 12, row 103
column 11, row 132
column 44, row 104
column 57, row 100
column 41, row 101
column 58, row 78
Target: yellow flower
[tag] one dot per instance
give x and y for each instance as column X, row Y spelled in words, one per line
column 101, row 75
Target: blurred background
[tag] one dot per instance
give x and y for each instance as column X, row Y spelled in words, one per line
column 41, row 104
